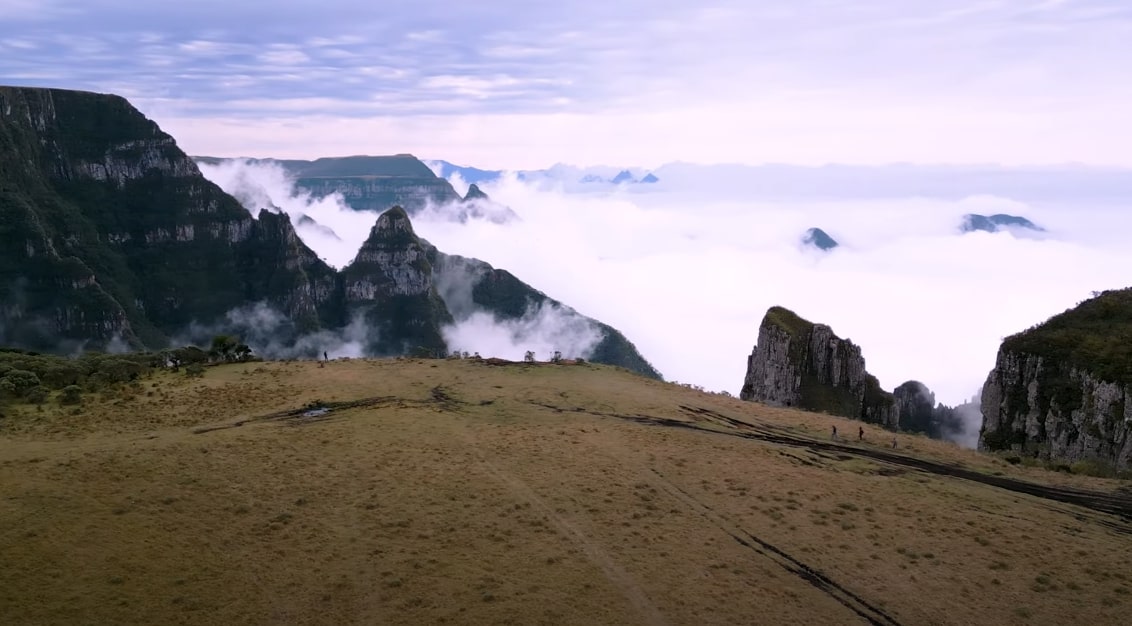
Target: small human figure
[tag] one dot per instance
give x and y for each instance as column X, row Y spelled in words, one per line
column 325, row 357
column 894, row 443
column 861, row 433
column 833, row 436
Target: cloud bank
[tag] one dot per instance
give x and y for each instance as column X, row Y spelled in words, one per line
column 687, row 268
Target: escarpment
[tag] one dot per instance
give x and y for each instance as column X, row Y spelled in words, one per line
column 109, row 234
column 1060, row 391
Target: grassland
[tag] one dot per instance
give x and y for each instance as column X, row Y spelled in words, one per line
column 462, row 492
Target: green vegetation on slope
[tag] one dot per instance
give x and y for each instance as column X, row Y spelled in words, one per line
column 1095, row 336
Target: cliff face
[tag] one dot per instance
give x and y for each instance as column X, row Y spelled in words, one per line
column 391, row 281
column 800, row 364
column 1061, row 390
column 109, row 233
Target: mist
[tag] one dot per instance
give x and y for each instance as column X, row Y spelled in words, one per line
column 686, row 270
column 270, row 334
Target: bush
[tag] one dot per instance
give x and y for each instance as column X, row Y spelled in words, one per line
column 195, row 370
column 71, row 394
column 36, row 395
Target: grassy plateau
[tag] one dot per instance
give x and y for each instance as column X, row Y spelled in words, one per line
column 466, row 492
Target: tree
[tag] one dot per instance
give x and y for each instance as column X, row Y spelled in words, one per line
column 224, row 348
column 529, row 357
column 557, row 357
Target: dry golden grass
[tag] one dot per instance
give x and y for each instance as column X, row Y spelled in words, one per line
column 517, row 494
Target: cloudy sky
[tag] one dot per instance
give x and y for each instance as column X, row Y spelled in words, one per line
column 512, row 84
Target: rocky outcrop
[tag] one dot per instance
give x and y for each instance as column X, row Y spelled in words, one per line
column 818, row 238
column 1062, row 391
column 391, row 280
column 993, row 223
column 800, row 364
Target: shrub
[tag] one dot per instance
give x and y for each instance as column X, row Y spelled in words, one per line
column 71, row 394
column 194, row 370
column 36, row 395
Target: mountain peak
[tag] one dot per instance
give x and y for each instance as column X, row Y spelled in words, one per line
column 819, row 239
column 475, row 193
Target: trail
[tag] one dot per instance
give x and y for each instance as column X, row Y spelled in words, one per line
column 864, row 609
column 1115, row 504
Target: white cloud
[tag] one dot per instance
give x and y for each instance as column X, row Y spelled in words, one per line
column 688, row 278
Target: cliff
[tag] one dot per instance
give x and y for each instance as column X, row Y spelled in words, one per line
column 801, row 364
column 109, row 234
column 1060, row 391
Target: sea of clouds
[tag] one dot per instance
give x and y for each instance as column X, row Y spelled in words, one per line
column 687, row 267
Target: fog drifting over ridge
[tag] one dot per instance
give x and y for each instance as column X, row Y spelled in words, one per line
column 687, row 273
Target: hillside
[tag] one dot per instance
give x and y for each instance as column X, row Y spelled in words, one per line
column 471, row 492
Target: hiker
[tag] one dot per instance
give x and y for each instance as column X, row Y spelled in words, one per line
column 860, row 433
column 894, row 443
column 833, row 437
column 325, row 357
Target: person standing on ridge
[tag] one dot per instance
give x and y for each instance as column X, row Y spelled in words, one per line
column 860, row 433
column 833, row 435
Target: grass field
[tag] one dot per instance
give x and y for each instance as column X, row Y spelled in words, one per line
column 461, row 492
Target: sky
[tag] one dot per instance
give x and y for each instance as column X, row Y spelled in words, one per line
column 524, row 84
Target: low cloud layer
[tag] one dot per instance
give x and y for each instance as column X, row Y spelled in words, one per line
column 687, row 270
column 687, row 273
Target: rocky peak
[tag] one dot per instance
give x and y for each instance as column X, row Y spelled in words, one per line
column 819, row 239
column 801, row 364
column 475, row 193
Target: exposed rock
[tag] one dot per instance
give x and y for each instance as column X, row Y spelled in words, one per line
column 974, row 222
column 1061, row 390
column 818, row 238
column 475, row 193
column 800, row 364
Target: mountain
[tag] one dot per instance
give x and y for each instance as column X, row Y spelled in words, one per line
column 469, row 285
column 475, row 193
column 366, row 183
column 108, row 231
column 1062, row 390
column 471, row 175
column 974, row 222
column 624, row 176
column 800, row 364
column 818, row 238
column 109, row 234
column 649, row 179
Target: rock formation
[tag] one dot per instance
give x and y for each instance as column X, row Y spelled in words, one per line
column 818, row 238
column 108, row 233
column 800, row 364
column 990, row 224
column 1062, row 390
